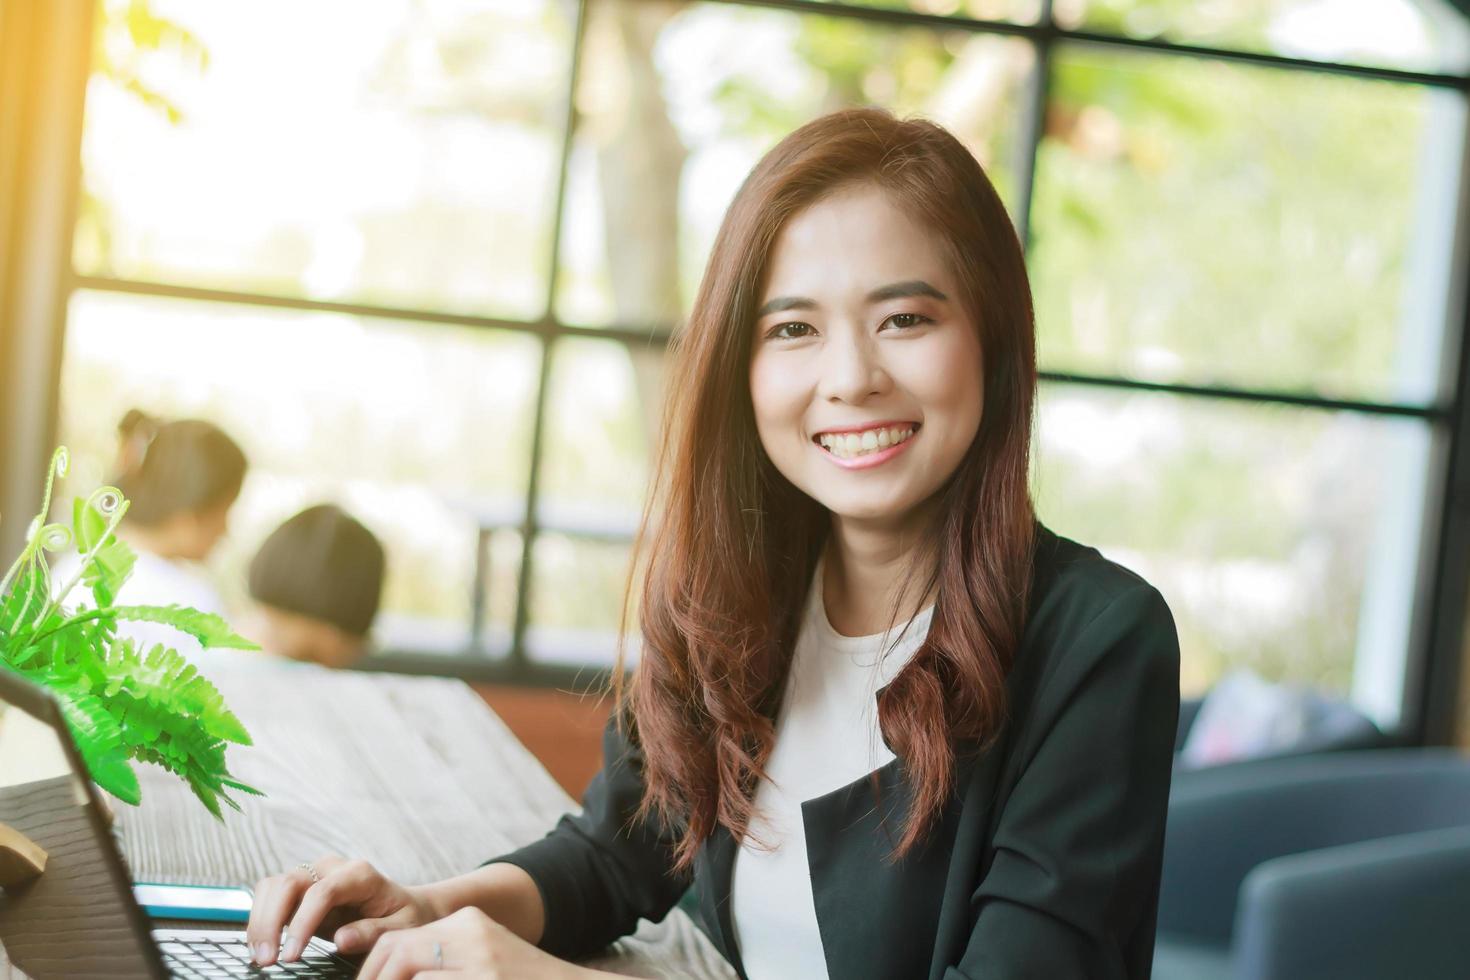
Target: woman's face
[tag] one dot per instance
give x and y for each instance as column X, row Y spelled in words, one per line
column 866, row 372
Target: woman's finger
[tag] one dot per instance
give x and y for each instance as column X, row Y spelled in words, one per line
column 271, row 904
column 348, row 883
column 262, row 898
column 275, row 898
column 403, row 954
column 328, row 863
column 413, row 959
column 363, row 934
column 382, row 951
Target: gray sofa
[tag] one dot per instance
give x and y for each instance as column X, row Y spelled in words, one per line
column 1345, row 865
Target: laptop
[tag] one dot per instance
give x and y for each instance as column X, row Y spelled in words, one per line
column 79, row 918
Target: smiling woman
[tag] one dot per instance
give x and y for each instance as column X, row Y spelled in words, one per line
column 884, row 722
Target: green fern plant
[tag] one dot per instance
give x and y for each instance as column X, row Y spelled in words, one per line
column 122, row 703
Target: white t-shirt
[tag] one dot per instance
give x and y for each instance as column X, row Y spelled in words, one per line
column 827, row 736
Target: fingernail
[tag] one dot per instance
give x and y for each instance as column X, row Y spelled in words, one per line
column 346, row 937
column 292, row 949
column 262, row 953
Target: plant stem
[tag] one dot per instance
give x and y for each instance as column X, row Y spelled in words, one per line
column 77, row 620
column 5, row 582
column 87, row 560
column 59, row 462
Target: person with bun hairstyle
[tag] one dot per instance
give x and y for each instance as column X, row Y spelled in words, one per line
column 884, row 722
column 181, row 479
column 316, row 581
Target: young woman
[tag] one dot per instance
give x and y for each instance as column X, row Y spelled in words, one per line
column 181, row 478
column 884, row 722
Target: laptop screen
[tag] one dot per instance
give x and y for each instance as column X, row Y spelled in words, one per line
column 77, row 919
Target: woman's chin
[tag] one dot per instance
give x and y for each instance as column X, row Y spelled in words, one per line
column 857, row 511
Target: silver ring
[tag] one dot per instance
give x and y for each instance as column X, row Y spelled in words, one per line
column 306, row 866
column 438, row 957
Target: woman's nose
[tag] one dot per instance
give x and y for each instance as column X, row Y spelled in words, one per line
column 852, row 369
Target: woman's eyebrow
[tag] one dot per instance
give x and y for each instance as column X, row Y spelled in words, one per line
column 894, row 290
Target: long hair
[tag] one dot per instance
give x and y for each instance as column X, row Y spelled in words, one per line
column 727, row 546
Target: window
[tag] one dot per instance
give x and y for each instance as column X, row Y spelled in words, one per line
column 425, row 258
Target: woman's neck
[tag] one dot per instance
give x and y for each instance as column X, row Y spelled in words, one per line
column 863, row 572
column 155, row 541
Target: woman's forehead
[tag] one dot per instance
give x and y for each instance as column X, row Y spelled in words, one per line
column 850, row 245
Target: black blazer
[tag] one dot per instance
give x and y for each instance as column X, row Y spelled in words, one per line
column 1045, row 862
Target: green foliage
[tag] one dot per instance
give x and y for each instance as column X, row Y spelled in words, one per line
column 112, row 561
column 125, row 35
column 121, row 703
column 127, row 38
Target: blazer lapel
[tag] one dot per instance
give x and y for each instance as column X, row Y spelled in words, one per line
column 876, row 918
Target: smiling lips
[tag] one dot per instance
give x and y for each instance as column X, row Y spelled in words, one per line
column 866, row 447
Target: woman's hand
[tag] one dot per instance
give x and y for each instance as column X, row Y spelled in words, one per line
column 467, row 943
column 352, row 897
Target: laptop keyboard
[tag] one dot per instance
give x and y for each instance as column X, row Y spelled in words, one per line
column 217, row 960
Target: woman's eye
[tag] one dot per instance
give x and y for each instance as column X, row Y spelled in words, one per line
column 779, row 331
column 912, row 320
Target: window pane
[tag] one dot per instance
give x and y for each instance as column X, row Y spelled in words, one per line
column 1015, row 11
column 412, row 428
column 1200, row 222
column 394, row 153
column 679, row 102
column 1415, row 35
column 1285, row 540
column 603, row 405
column 576, row 598
column 498, row 567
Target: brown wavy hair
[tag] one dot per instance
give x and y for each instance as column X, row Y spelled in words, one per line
column 727, row 546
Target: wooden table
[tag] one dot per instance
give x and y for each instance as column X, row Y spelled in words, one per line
column 414, row 774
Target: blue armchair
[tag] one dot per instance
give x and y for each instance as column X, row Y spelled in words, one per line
column 1343, row 865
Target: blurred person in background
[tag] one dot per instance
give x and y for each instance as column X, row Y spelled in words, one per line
column 181, row 478
column 317, row 581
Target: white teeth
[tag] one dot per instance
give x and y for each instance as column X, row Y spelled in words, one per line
column 850, row 444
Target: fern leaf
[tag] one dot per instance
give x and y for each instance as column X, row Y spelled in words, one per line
column 76, row 644
column 87, row 525
column 172, row 717
column 246, row 788
column 208, row 796
column 110, row 568
column 99, row 740
column 22, row 605
column 179, row 684
column 209, row 629
column 112, row 563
